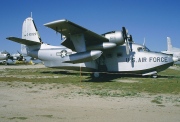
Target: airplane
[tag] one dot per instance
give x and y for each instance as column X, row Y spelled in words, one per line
column 172, row 50
column 17, row 56
column 82, row 49
column 4, row 55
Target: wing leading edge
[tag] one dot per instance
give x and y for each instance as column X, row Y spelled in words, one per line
column 70, row 29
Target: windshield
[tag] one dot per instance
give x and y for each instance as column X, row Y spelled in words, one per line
column 143, row 49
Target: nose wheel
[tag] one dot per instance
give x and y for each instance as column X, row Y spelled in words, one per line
column 154, row 75
column 98, row 75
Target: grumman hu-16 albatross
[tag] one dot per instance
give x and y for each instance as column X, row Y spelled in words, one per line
column 114, row 51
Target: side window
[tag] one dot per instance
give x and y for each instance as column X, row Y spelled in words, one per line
column 140, row 49
column 119, row 54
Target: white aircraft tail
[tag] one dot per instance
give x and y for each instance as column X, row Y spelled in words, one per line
column 169, row 45
column 29, row 32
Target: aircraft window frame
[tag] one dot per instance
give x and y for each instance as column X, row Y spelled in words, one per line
column 143, row 49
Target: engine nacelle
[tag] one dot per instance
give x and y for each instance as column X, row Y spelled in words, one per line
column 115, row 37
column 102, row 46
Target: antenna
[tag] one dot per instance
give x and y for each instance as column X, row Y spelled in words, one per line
column 144, row 41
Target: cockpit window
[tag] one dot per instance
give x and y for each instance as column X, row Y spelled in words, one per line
column 143, row 49
column 140, row 49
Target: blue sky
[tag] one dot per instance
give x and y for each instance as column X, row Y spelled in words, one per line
column 153, row 20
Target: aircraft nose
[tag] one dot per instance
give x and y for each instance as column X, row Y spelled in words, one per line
column 175, row 59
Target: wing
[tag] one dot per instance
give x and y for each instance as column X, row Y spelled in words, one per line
column 69, row 29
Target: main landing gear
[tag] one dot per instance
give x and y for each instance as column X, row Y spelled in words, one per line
column 96, row 74
column 102, row 68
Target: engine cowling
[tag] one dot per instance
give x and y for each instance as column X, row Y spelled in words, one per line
column 115, row 37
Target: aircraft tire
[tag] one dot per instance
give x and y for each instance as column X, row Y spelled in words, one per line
column 96, row 74
column 154, row 76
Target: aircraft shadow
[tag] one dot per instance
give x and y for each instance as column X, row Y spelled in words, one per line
column 104, row 77
column 65, row 73
column 168, row 76
column 112, row 77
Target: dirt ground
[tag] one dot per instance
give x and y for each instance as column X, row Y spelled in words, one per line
column 25, row 101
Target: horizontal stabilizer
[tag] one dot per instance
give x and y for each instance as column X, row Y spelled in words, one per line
column 23, row 41
column 84, row 56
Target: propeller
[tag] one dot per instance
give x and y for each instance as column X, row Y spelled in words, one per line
column 21, row 57
column 19, row 53
column 127, row 38
column 124, row 32
column 7, row 54
column 130, row 38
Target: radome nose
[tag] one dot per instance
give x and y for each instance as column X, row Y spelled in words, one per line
column 175, row 59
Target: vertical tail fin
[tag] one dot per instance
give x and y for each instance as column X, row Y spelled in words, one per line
column 29, row 32
column 169, row 45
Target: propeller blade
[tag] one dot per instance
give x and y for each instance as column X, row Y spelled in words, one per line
column 130, row 38
column 127, row 47
column 18, row 52
column 127, row 39
column 124, row 32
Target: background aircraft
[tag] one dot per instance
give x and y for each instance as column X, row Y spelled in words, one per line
column 172, row 50
column 17, row 56
column 113, row 51
column 4, row 55
column 7, row 58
